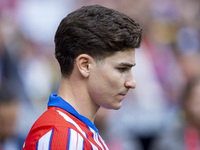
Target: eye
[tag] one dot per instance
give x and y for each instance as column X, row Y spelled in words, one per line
column 122, row 69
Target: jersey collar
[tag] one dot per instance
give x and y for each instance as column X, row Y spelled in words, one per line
column 57, row 101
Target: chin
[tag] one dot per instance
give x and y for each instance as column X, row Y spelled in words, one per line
column 115, row 107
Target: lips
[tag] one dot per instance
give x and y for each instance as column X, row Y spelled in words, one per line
column 123, row 94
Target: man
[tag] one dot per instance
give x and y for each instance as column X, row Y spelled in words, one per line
column 9, row 139
column 95, row 48
column 183, row 132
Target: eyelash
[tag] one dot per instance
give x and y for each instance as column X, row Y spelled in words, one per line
column 122, row 69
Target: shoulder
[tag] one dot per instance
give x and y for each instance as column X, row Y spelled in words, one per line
column 55, row 119
column 55, row 128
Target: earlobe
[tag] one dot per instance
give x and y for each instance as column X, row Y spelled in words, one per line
column 83, row 63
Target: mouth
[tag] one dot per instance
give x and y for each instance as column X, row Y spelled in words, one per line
column 122, row 95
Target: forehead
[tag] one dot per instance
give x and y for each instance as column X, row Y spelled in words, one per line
column 127, row 56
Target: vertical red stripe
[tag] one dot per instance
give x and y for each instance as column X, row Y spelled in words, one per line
column 191, row 139
column 102, row 142
column 59, row 138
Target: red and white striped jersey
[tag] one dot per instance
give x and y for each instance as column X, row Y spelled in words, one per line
column 61, row 127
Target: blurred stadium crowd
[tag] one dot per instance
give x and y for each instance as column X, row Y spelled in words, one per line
column 167, row 61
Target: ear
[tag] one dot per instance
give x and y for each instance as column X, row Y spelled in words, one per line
column 84, row 63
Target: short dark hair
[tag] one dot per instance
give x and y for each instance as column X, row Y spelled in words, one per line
column 94, row 30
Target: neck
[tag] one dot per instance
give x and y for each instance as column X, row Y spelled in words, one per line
column 75, row 93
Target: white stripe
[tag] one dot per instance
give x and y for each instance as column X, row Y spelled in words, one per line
column 72, row 122
column 95, row 137
column 44, row 141
column 80, row 142
column 68, row 119
column 103, row 143
column 94, row 147
column 76, row 141
column 73, row 140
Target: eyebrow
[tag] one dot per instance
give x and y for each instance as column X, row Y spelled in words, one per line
column 128, row 65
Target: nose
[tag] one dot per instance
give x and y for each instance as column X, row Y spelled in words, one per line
column 130, row 82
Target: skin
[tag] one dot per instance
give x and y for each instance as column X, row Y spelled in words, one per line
column 94, row 84
column 192, row 106
column 8, row 116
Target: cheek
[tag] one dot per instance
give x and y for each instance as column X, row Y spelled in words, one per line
column 196, row 111
column 193, row 109
column 102, row 88
column 114, row 77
